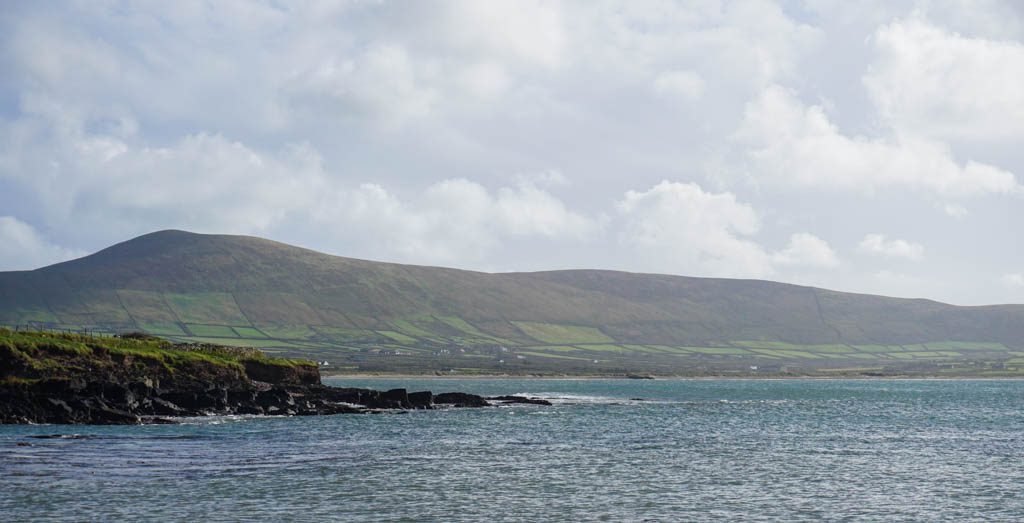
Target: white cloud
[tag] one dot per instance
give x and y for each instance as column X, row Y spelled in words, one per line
column 484, row 80
column 932, row 82
column 1014, row 279
column 25, row 249
column 456, row 220
column 685, row 85
column 202, row 181
column 382, row 84
column 744, row 45
column 793, row 143
column 895, row 248
column 955, row 210
column 806, row 250
column 527, row 209
column 682, row 229
column 529, row 31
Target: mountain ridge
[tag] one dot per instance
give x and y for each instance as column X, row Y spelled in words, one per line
column 240, row 289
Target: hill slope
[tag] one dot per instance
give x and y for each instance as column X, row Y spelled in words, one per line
column 241, row 290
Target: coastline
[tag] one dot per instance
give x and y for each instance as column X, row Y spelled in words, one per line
column 377, row 375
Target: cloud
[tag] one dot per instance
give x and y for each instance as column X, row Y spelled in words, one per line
column 210, row 183
column 682, row 229
column 792, row 143
column 685, row 85
column 24, row 248
column 456, row 220
column 879, row 244
column 1014, row 279
column 203, row 181
column 530, row 31
column 955, row 210
column 931, row 82
column 526, row 209
column 806, row 250
column 382, row 84
column 741, row 44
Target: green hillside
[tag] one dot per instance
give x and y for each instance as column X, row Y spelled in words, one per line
column 372, row 316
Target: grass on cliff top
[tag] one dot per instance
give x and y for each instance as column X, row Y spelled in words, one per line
column 29, row 345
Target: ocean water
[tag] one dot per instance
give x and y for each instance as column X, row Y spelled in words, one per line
column 689, row 451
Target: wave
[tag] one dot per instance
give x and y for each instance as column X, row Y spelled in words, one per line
column 563, row 398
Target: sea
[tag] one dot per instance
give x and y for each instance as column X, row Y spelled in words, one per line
column 607, row 450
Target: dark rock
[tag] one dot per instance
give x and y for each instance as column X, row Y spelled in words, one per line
column 143, row 388
column 274, row 398
column 421, row 400
column 61, row 406
column 399, row 397
column 240, row 398
column 59, row 387
column 159, row 421
column 460, row 399
column 114, row 398
column 249, row 409
column 282, row 374
column 104, row 415
column 185, row 400
column 520, row 399
column 163, row 407
column 121, row 396
column 392, row 399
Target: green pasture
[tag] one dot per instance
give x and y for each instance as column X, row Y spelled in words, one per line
column 163, row 329
column 398, row 336
column 877, row 348
column 601, row 348
column 717, row 351
column 406, row 327
column 249, row 332
column 221, row 331
column 552, row 348
column 964, row 345
column 206, row 308
column 562, row 334
column 553, row 356
column 288, row 332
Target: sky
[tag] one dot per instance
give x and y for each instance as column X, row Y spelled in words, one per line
column 867, row 146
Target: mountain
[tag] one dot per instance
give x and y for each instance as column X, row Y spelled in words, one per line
column 239, row 290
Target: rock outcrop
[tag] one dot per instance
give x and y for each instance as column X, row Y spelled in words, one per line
column 505, row 400
column 68, row 379
column 103, row 403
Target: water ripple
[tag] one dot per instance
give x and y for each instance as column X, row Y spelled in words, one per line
column 691, row 450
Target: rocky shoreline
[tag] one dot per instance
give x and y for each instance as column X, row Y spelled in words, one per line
column 78, row 402
column 132, row 379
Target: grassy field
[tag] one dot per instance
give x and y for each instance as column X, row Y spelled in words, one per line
column 552, row 333
column 37, row 355
column 217, row 331
column 419, row 343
